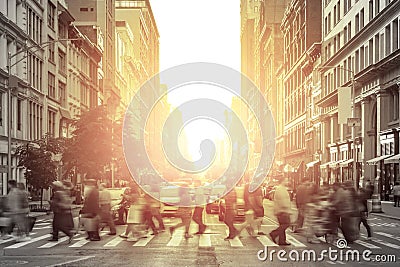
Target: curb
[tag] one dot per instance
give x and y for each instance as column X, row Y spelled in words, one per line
column 385, row 216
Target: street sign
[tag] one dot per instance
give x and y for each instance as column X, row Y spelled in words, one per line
column 353, row 122
column 3, row 168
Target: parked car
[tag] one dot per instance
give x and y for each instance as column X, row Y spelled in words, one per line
column 239, row 206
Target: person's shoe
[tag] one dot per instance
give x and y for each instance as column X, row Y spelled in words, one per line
column 70, row 239
column 123, row 236
column 112, row 234
column 314, row 241
column 261, row 233
column 187, row 235
column 229, row 237
column 284, row 244
column 369, row 238
column 95, row 239
column 53, row 240
column 132, row 239
column 171, row 230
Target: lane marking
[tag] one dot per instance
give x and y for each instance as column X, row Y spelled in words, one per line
column 71, row 261
column 143, row 241
column 18, row 245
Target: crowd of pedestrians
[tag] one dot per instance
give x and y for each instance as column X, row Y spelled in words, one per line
column 322, row 212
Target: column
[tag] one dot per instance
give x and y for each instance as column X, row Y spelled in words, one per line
column 381, row 123
column 369, row 138
column 3, row 51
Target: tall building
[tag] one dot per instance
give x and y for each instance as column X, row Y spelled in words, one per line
column 270, row 44
column 361, row 49
column 301, row 26
column 89, row 13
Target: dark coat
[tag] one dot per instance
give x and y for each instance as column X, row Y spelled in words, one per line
column 91, row 204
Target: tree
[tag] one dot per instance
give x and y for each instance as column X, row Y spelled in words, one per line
column 89, row 150
column 38, row 158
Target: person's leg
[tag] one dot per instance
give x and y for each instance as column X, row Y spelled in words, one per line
column 366, row 225
column 186, row 223
column 284, row 222
column 148, row 216
column 229, row 218
column 157, row 215
column 55, row 227
column 110, row 223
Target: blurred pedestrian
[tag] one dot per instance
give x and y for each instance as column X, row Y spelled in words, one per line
column 152, row 210
column 91, row 210
column 184, row 212
column 105, row 208
column 396, row 194
column 363, row 196
column 18, row 208
column 249, row 223
column 135, row 219
column 123, row 206
column 304, row 195
column 200, row 201
column 282, row 212
column 61, row 207
column 230, row 213
column 256, row 203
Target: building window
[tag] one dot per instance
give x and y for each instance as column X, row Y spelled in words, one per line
column 371, row 10
column 62, row 63
column 377, row 6
column 51, row 50
column 395, row 35
column 349, row 30
column 387, row 40
column 51, row 13
column 63, row 94
column 345, row 35
column 338, row 11
column 19, row 114
column 35, row 71
column 362, row 18
column 357, row 26
column 52, row 122
column 52, row 85
column 1, row 109
column 376, row 48
column 357, row 62
column 362, row 60
column 35, row 113
column 335, row 15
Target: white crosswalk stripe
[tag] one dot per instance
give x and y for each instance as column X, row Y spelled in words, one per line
column 21, row 244
column 205, row 240
column 143, row 241
column 176, row 239
column 294, row 241
column 266, row 242
column 367, row 245
column 83, row 242
column 388, row 235
column 52, row 244
column 114, row 242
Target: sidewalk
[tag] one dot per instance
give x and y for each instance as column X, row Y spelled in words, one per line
column 388, row 210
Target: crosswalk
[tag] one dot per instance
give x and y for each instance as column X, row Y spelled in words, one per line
column 214, row 237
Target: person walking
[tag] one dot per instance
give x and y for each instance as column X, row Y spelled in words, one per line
column 396, row 194
column 249, row 223
column 105, row 208
column 282, row 212
column 91, row 210
column 60, row 205
column 363, row 196
column 256, row 203
column 152, row 210
column 304, row 195
column 17, row 207
column 200, row 201
column 184, row 213
column 230, row 212
column 135, row 219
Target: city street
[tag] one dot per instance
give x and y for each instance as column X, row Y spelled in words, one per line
column 209, row 249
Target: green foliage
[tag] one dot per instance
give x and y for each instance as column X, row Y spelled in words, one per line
column 89, row 151
column 38, row 159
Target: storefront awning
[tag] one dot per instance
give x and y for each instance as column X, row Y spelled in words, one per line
column 293, row 166
column 346, row 163
column 394, row 159
column 376, row 160
column 335, row 164
column 323, row 166
column 311, row 164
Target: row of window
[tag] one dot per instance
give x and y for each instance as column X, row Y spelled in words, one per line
column 295, row 139
column 377, row 48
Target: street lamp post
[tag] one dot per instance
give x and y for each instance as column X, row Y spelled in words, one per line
column 353, row 114
column 10, row 86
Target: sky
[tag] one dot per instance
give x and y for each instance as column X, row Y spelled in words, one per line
column 198, row 31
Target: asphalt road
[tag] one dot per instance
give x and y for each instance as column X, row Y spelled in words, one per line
column 209, row 249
